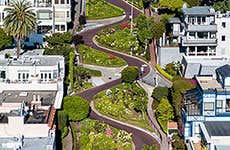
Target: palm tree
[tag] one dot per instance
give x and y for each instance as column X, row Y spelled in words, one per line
column 20, row 20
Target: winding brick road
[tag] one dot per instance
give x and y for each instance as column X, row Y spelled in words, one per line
column 139, row 137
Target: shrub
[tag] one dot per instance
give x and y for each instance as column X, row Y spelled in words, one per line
column 165, row 74
column 178, row 143
column 65, row 132
column 171, row 69
column 62, row 123
column 71, row 68
column 76, row 107
column 160, row 92
column 149, row 147
column 129, row 74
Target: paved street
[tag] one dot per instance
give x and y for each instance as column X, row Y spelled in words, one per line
column 139, row 137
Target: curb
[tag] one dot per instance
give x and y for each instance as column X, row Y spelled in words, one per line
column 126, row 124
column 119, row 18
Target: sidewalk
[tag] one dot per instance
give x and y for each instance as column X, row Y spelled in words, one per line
column 151, row 115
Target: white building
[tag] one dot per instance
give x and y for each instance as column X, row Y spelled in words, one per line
column 31, row 89
column 52, row 16
column 202, row 37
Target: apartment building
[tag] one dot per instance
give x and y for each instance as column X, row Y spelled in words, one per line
column 201, row 36
column 31, row 90
column 52, row 16
column 206, row 110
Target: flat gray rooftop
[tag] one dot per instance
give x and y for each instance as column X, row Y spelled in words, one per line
column 198, row 10
column 218, row 128
column 29, row 143
column 47, row 98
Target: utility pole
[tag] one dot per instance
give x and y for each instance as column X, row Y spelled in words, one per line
column 131, row 27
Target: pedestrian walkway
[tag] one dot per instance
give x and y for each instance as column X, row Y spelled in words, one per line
column 151, row 115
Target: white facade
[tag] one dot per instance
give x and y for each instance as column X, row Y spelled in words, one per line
column 52, row 16
column 223, row 27
column 31, row 89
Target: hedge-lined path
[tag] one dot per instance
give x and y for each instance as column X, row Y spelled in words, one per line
column 139, row 137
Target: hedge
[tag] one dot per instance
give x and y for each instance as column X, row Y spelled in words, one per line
column 165, row 74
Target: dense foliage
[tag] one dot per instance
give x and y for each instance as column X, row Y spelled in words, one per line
column 125, row 102
column 59, row 44
column 164, row 113
column 76, row 107
column 95, row 57
column 62, row 123
column 71, row 68
column 129, row 74
column 159, row 93
column 178, row 143
column 222, row 6
column 5, row 40
column 100, row 9
column 170, row 4
column 99, row 136
column 149, row 147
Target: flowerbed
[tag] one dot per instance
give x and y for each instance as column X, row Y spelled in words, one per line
column 125, row 102
column 100, row 136
column 94, row 57
column 100, row 9
column 120, row 38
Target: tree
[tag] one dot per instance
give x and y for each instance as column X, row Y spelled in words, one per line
column 140, row 104
column 160, row 92
column 173, row 5
column 178, row 143
column 76, row 107
column 19, row 21
column 148, row 147
column 71, row 68
column 171, row 69
column 129, row 74
column 165, row 110
column 59, row 44
column 5, row 40
column 193, row 2
column 62, row 123
column 222, row 6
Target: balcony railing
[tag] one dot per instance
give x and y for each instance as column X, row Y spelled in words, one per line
column 206, row 28
column 202, row 42
column 43, row 4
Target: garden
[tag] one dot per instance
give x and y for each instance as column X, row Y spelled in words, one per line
column 93, row 134
column 86, row 133
column 126, row 102
column 94, row 57
column 100, row 9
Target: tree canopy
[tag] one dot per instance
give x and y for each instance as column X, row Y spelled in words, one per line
column 76, row 107
column 129, row 74
column 19, row 21
column 5, row 40
column 193, row 2
column 59, row 44
column 222, row 6
column 160, row 92
column 165, row 110
column 170, row 4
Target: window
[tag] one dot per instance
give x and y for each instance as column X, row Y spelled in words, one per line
column 219, row 104
column 56, row 1
column 42, row 76
column 223, row 24
column 67, row 1
column 208, row 106
column 3, row 74
column 62, row 1
column 223, row 38
column 49, row 75
column 3, row 16
column 62, row 27
column 19, row 76
column 67, row 14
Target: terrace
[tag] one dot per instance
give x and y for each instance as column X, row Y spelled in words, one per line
column 192, row 103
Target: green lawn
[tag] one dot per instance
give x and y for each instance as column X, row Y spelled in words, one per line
column 95, row 57
column 137, row 3
column 120, row 105
column 94, row 134
column 99, row 9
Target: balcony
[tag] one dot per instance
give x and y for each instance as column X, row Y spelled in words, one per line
column 202, row 28
column 42, row 3
column 198, row 42
column 192, row 104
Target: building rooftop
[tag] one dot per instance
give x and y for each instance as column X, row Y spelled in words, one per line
column 29, row 143
column 218, row 128
column 174, row 20
column 224, row 71
column 208, row 83
column 199, row 10
column 46, row 98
